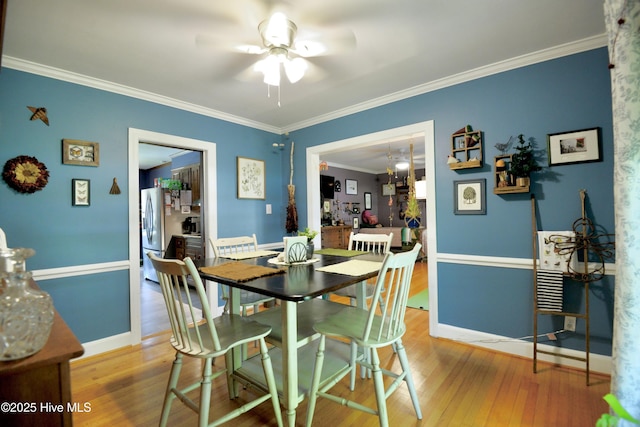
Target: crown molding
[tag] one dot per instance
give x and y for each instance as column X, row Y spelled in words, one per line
column 495, row 68
column 71, row 77
column 567, row 49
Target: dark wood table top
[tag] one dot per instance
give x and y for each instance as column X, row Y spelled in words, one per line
column 298, row 283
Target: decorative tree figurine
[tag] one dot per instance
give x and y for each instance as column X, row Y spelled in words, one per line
column 412, row 214
column 523, row 163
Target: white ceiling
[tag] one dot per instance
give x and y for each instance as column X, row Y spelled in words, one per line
column 181, row 52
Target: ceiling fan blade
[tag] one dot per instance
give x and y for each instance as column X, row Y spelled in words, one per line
column 251, row 49
column 323, row 42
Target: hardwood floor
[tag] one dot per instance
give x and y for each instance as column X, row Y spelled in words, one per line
column 153, row 313
column 457, row 384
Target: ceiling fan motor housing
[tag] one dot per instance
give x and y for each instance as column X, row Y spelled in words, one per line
column 277, row 31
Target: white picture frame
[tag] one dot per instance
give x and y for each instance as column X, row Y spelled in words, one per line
column 351, row 186
column 250, row 178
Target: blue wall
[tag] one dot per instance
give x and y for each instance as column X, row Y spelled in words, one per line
column 560, row 95
column 564, row 94
column 97, row 306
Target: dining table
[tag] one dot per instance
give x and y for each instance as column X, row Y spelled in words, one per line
column 302, row 290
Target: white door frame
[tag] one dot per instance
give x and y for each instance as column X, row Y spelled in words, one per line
column 209, row 191
column 313, row 192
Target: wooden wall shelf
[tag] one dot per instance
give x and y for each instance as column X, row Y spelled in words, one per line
column 504, row 182
column 466, row 148
column 511, row 190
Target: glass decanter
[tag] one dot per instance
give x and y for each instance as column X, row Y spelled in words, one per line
column 26, row 313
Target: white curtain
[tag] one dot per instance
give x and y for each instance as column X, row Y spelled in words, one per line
column 624, row 54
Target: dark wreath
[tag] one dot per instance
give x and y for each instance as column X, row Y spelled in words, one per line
column 25, row 174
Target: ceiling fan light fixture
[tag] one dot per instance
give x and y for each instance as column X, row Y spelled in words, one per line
column 270, row 69
column 402, row 165
column 295, row 69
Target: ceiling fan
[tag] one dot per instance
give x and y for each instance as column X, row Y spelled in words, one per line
column 286, row 50
column 278, row 35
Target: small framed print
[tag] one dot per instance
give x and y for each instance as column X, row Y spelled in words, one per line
column 356, row 222
column 82, row 153
column 80, row 192
column 469, row 197
column 326, row 206
column 351, row 186
column 388, row 189
column 367, row 200
column 578, row 146
column 251, row 178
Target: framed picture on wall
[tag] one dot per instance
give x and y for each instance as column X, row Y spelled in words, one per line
column 81, row 153
column 80, row 192
column 469, row 197
column 356, row 222
column 388, row 189
column 577, row 146
column 351, row 186
column 251, row 178
column 367, row 200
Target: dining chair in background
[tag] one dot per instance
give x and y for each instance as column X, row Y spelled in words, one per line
column 378, row 244
column 371, row 330
column 205, row 340
column 235, row 245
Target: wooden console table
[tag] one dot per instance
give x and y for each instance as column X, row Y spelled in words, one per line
column 335, row 236
column 36, row 391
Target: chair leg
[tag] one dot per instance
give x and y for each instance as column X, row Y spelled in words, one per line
column 171, row 385
column 404, row 362
column 353, row 366
column 378, row 383
column 315, row 382
column 205, row 394
column 271, row 380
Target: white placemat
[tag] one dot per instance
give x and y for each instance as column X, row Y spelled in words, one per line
column 354, row 267
column 277, row 261
column 248, row 255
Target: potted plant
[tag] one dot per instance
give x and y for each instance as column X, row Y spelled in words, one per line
column 310, row 235
column 523, row 163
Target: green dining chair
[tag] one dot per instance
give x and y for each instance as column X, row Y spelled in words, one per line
column 233, row 245
column 371, row 329
column 378, row 244
column 205, row 340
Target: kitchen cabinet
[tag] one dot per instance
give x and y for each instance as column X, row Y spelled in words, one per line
column 335, row 236
column 183, row 246
column 190, row 178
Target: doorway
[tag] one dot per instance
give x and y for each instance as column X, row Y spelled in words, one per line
column 425, row 129
column 176, row 219
column 209, row 221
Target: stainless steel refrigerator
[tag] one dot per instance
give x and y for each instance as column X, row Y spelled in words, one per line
column 158, row 225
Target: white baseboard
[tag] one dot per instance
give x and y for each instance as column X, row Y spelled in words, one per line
column 517, row 347
column 103, row 345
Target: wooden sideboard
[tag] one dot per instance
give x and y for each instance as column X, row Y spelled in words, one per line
column 36, row 390
column 335, row 236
